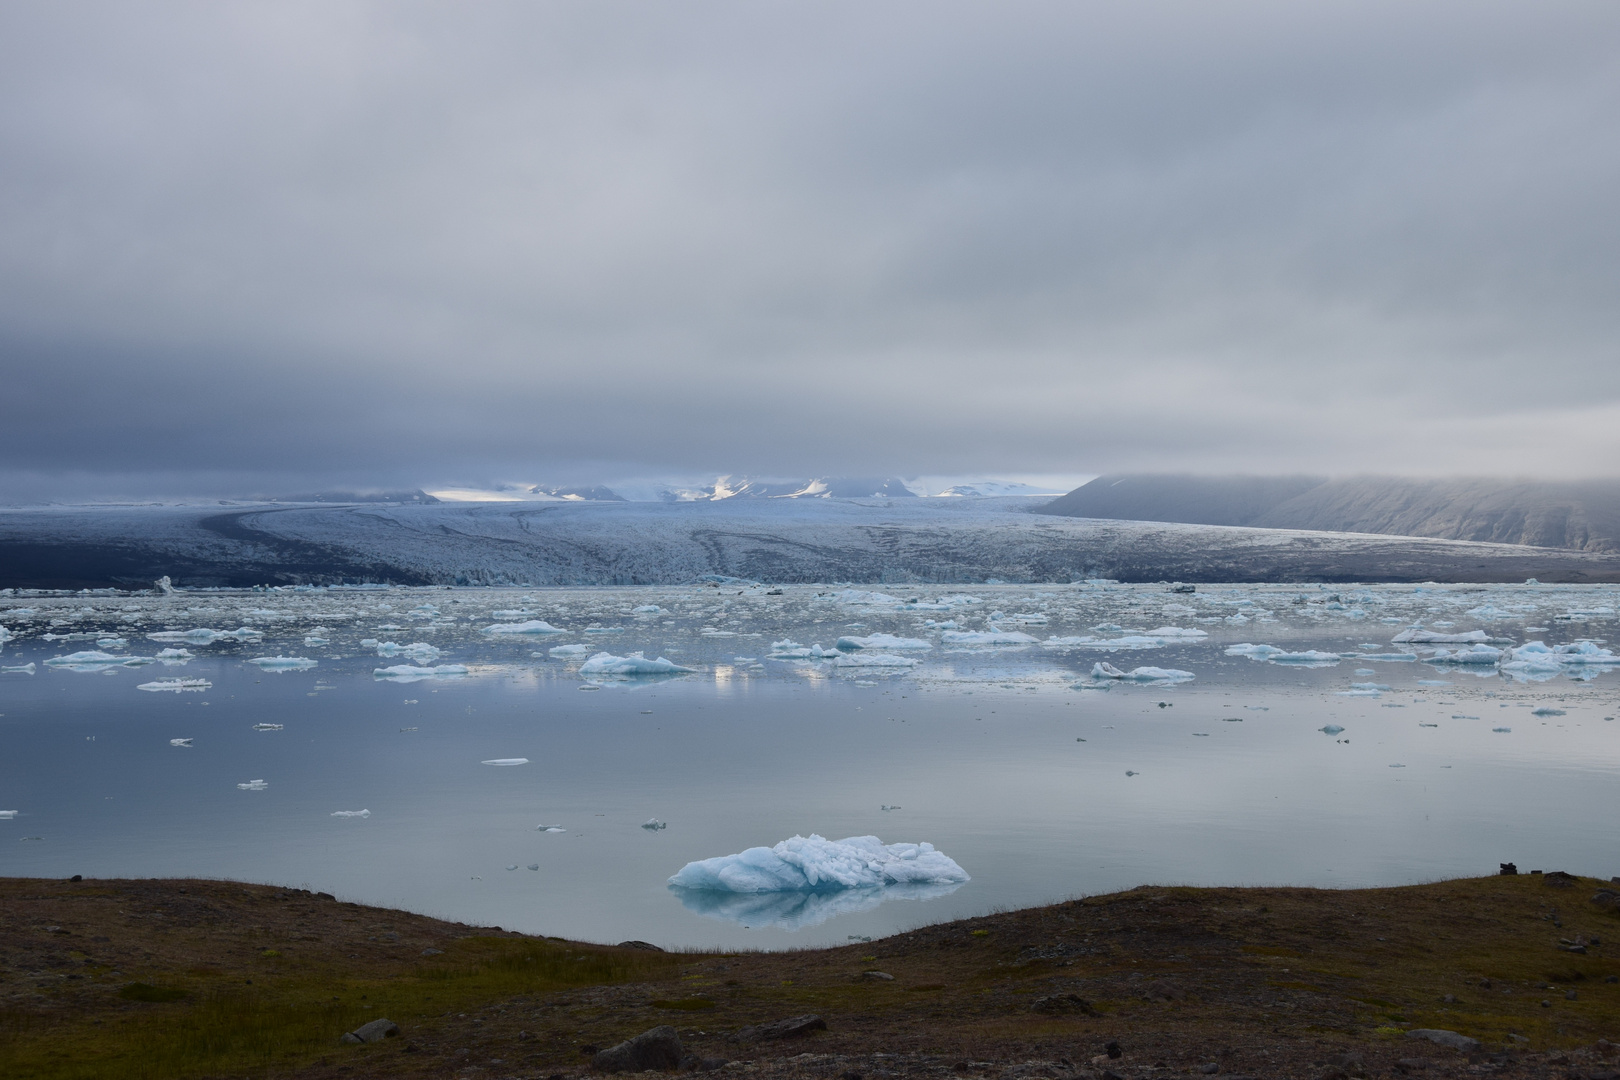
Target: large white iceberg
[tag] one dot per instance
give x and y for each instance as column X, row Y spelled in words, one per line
column 815, row 864
column 630, row 666
column 533, row 626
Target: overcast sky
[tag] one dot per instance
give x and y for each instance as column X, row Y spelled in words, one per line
column 262, row 246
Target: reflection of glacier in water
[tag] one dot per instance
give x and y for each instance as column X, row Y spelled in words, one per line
column 798, row 910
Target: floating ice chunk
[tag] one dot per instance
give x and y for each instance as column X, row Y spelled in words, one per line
column 184, row 743
column 268, row 727
column 1415, row 636
column 1140, row 674
column 419, row 651
column 5, row 635
column 881, row 641
column 632, row 666
column 204, row 636
column 1173, row 632
column 549, row 828
column 1501, row 730
column 283, row 663
column 534, row 866
column 174, row 656
column 1275, row 655
column 407, row 673
column 175, row 685
column 873, row 660
column 1579, row 652
column 647, row 609
column 1545, row 711
column 19, row 669
column 787, row 649
column 1479, row 654
column 565, row 652
column 95, row 661
column 351, row 813
column 816, row 864
column 7, row 815
column 1330, row 729
column 1388, row 657
column 986, row 637
column 254, row 785
column 1433, row 682
column 653, row 824
column 533, row 626
column 887, row 806
column 506, row 761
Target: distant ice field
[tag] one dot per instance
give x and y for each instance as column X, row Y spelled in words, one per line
column 548, row 759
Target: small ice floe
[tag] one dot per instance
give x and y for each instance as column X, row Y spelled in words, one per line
column 95, row 661
column 204, row 636
column 174, row 656
column 1502, row 730
column 815, row 864
column 506, row 761
column 18, row 669
column 986, row 637
column 787, row 649
column 351, row 813
column 1478, row 654
column 881, row 641
column 534, row 866
column 1389, row 657
column 183, row 743
column 253, row 785
column 283, row 663
column 268, row 727
column 1433, row 682
column 1546, row 711
column 409, row 673
column 1273, row 654
column 1397, row 766
column 512, row 866
column 568, row 652
column 647, row 609
column 419, row 651
column 1129, row 772
column 1364, row 689
column 533, row 626
column 110, row 642
column 1100, row 671
column 314, row 641
column 549, row 828
column 653, row 824
column 1331, row 729
column 1415, row 636
column 887, row 806
column 633, row 666
column 1177, row 633
column 1365, row 671
column 175, row 685
column 873, row 660
column 7, row 815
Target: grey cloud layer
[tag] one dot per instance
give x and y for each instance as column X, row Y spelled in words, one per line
column 446, row 243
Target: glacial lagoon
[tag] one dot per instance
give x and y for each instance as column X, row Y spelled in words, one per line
column 518, row 757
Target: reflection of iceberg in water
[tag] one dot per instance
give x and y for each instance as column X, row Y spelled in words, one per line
column 798, row 910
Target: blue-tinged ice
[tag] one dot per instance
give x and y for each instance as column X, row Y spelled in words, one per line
column 799, row 910
column 533, row 626
column 1275, row 655
column 410, row 673
column 815, row 864
column 419, row 651
column 175, row 685
column 283, row 663
column 204, row 636
column 632, row 666
column 19, row 669
column 1141, row 674
column 95, row 661
column 881, row 641
column 1415, row 636
column 1479, row 654
column 986, row 637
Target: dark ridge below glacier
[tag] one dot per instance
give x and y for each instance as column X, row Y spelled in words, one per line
column 1583, row 515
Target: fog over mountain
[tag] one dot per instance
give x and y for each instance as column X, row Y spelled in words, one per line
column 1584, row 515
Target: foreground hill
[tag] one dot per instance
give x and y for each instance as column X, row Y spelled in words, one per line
column 894, row 542
column 178, row 979
column 1580, row 515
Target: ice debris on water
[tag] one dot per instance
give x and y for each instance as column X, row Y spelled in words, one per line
column 1502, row 730
column 881, row 641
column 1101, row 671
column 653, row 824
column 185, row 743
column 1479, row 654
column 351, row 813
column 19, row 669
column 533, row 626
column 815, row 864
column 1330, row 729
column 95, row 661
column 419, row 651
column 175, row 685
column 268, row 727
column 564, row 652
column 506, row 761
column 7, row 815
column 409, row 673
column 283, row 663
column 1273, row 654
column 631, row 666
column 1415, row 636
column 887, row 806
column 873, row 660
column 1546, row 711
column 986, row 637
column 549, row 828
column 204, row 636
column 254, row 785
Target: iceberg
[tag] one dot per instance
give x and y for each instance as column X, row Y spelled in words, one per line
column 815, row 864
column 799, row 910
column 283, row 663
column 632, row 666
column 175, row 685
column 419, row 651
column 986, row 637
column 408, row 673
column 254, row 785
column 1272, row 654
column 787, row 649
column 564, row 652
column 1141, row 674
column 182, row 743
column 881, row 641
column 206, row 636
column 351, row 813
column 1415, row 636
column 506, row 761
column 533, row 626
column 1479, row 654
column 95, row 661
column 7, row 815
column 19, row 669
